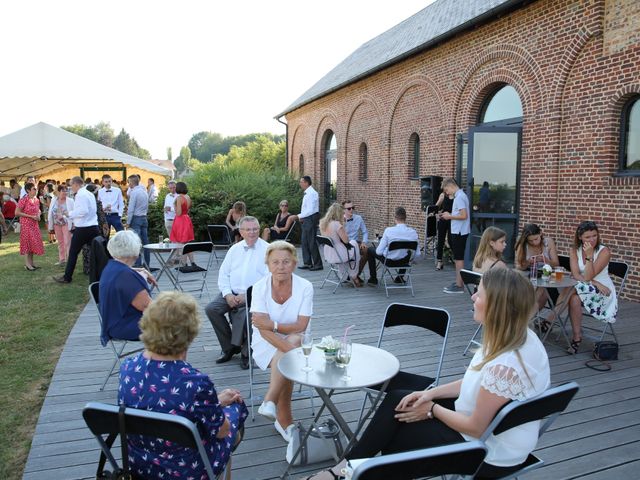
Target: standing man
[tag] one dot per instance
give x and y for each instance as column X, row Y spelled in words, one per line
column 354, row 226
column 242, row 267
column 309, row 218
column 400, row 231
column 85, row 220
column 169, row 206
column 137, row 214
column 460, row 229
column 152, row 191
column 30, row 179
column 112, row 202
column 15, row 189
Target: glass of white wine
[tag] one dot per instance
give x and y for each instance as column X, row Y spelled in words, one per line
column 343, row 358
column 307, row 345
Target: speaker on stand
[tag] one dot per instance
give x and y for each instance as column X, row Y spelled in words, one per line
column 430, row 188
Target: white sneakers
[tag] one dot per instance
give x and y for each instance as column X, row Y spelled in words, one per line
column 268, row 409
column 285, row 433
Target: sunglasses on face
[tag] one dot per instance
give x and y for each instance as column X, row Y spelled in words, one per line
column 349, row 208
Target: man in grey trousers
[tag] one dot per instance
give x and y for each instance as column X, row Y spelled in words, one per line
column 309, row 218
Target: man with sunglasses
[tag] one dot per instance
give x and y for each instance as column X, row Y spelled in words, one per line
column 356, row 230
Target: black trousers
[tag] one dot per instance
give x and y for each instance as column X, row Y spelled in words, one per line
column 444, row 231
column 310, row 252
column 372, row 256
column 81, row 236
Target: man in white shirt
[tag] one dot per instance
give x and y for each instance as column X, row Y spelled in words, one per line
column 170, row 206
column 460, row 229
column 152, row 191
column 242, row 267
column 112, row 202
column 30, row 179
column 85, row 220
column 400, row 231
column 309, row 218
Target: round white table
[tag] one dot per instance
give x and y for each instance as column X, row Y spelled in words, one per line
column 566, row 282
column 157, row 249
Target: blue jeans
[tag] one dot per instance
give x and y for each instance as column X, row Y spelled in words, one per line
column 140, row 225
column 113, row 219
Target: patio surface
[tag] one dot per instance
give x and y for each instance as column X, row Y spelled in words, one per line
column 598, row 437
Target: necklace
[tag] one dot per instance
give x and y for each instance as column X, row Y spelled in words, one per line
column 284, row 296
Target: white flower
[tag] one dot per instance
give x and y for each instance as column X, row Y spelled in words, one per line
column 547, row 269
column 329, row 343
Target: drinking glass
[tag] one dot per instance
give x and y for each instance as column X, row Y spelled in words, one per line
column 307, row 345
column 559, row 273
column 343, row 358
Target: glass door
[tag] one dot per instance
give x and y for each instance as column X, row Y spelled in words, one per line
column 330, row 171
column 493, row 183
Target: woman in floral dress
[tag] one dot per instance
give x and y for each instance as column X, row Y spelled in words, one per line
column 160, row 379
column 30, row 239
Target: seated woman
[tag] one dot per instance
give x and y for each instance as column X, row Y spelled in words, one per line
column 282, row 225
column 281, row 306
column 160, row 379
column 124, row 291
column 236, row 212
column 512, row 364
column 595, row 292
column 332, row 226
column 489, row 254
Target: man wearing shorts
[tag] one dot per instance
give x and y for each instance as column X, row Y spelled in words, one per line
column 460, row 229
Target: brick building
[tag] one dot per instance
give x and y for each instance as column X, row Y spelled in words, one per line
column 540, row 99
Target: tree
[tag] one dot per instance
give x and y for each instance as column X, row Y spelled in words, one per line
column 103, row 134
column 169, row 154
column 205, row 146
column 182, row 162
column 127, row 144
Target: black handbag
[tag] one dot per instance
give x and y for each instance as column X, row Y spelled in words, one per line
column 603, row 352
column 121, row 473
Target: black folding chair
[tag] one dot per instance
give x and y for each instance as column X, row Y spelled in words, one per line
column 288, row 238
column 471, row 280
column 220, row 236
column 102, row 420
column 338, row 269
column 117, row 345
column 458, row 458
column 197, row 278
column 399, row 268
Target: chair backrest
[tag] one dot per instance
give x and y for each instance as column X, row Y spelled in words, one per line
column 455, row 459
column 471, row 280
column 620, row 270
column 324, row 241
column 550, row 404
column 94, row 292
column 197, row 247
column 219, row 235
column 102, row 419
column 565, row 262
column 409, row 245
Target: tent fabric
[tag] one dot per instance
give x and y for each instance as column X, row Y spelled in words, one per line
column 42, row 148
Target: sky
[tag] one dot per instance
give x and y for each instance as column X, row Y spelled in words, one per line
column 164, row 70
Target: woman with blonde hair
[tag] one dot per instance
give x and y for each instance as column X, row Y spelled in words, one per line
column 236, row 212
column 332, row 226
column 281, row 307
column 489, row 254
column 160, row 379
column 511, row 364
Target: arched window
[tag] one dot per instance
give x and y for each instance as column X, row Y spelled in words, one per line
column 301, row 164
column 503, row 104
column 363, row 160
column 414, row 155
column 330, row 152
column 630, row 137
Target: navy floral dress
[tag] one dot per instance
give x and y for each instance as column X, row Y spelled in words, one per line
column 177, row 388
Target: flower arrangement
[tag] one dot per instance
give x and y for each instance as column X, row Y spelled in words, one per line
column 330, row 346
column 547, row 270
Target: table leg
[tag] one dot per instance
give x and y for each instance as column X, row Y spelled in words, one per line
column 365, row 417
column 326, row 400
column 557, row 320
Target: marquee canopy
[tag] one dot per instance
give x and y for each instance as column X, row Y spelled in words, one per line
column 42, row 149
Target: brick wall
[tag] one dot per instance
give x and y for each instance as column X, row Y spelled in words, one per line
column 573, row 70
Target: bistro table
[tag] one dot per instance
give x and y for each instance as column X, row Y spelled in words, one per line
column 369, row 366
column 566, row 282
column 157, row 249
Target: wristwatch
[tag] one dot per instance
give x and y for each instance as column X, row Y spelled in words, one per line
column 588, row 259
column 275, row 327
column 430, row 412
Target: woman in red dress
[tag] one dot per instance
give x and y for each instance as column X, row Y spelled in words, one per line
column 28, row 210
column 182, row 229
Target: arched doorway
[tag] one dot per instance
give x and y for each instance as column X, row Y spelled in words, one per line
column 493, row 167
column 330, row 149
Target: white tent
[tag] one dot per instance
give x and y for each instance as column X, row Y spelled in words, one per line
column 43, row 149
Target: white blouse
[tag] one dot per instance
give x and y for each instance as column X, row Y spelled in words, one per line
column 513, row 377
column 300, row 303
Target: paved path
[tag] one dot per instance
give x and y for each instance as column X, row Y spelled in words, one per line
column 598, row 437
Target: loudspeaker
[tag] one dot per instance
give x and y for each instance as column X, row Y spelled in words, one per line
column 429, row 190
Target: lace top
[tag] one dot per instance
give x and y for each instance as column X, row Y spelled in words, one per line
column 512, row 376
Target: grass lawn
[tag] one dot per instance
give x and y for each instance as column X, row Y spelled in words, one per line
column 36, row 315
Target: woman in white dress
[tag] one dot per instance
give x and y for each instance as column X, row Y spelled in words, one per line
column 595, row 292
column 512, row 364
column 332, row 226
column 281, row 307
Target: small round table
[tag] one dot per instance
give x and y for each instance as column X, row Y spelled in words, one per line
column 165, row 265
column 566, row 282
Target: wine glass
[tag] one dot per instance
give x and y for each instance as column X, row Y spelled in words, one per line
column 307, row 345
column 343, row 358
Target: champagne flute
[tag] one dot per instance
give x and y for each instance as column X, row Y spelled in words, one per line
column 307, row 345
column 344, row 357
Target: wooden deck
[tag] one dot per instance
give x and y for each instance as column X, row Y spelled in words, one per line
column 598, row 437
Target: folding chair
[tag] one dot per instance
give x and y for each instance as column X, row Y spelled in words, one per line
column 546, row 407
column 337, row 269
column 102, row 420
column 390, row 267
column 435, row 320
column 287, row 238
column 220, row 236
column 197, row 278
column 459, row 458
column 471, row 280
column 252, row 383
column 118, row 350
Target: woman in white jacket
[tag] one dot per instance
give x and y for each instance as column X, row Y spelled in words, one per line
column 60, row 223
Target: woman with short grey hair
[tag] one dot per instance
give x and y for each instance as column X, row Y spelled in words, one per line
column 124, row 291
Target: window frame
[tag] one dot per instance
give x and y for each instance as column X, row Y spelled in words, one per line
column 623, row 169
column 301, row 164
column 363, row 162
column 414, row 156
column 485, row 105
